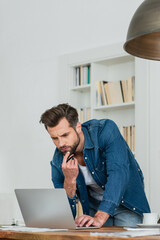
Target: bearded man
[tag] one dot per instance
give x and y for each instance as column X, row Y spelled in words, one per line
column 93, row 162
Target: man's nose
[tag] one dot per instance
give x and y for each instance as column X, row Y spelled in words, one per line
column 61, row 142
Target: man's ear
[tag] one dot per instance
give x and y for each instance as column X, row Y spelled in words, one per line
column 78, row 127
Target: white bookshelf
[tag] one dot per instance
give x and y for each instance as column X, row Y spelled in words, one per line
column 110, row 63
column 114, row 67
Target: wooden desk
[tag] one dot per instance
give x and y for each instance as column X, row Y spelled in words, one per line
column 71, row 234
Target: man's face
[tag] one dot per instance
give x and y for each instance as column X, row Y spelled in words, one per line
column 64, row 137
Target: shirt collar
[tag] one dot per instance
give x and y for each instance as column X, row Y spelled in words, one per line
column 87, row 139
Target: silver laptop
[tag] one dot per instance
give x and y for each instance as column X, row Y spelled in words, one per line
column 46, row 208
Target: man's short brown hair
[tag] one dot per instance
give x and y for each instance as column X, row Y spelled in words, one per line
column 51, row 117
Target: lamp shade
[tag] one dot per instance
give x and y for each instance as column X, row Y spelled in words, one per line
column 143, row 37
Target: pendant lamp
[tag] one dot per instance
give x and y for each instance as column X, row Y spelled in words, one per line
column 143, row 37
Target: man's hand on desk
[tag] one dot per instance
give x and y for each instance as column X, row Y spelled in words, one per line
column 97, row 221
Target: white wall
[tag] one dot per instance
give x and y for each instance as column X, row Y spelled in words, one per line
column 32, row 34
column 154, row 134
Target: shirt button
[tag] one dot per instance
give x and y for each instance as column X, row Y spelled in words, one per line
column 72, row 205
column 102, row 186
column 92, row 172
column 134, row 209
column 122, row 201
column 85, row 158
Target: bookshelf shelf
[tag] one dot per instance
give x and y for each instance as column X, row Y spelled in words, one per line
column 82, row 88
column 115, row 106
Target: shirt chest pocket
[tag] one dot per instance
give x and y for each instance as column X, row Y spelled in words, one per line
column 101, row 163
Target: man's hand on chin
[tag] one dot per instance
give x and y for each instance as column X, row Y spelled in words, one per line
column 97, row 221
column 70, row 171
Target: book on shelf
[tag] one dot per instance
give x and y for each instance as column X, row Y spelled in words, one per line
column 77, row 79
column 116, row 92
column 128, row 89
column 89, row 73
column 133, row 138
column 128, row 133
column 129, row 137
column 81, row 76
column 108, row 93
column 99, row 94
column 124, row 90
column 102, row 98
column 85, row 75
column 84, row 114
column 131, row 88
column 102, row 92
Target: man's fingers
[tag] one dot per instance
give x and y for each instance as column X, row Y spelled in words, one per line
column 90, row 222
column 73, row 162
column 87, row 221
column 84, row 221
column 65, row 157
column 79, row 219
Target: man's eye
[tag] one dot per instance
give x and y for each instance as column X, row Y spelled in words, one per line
column 54, row 138
column 65, row 135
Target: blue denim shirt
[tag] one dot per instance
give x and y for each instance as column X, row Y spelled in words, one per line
column 113, row 167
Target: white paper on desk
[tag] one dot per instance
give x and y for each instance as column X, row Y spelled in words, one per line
column 131, row 233
column 28, row 229
column 139, row 229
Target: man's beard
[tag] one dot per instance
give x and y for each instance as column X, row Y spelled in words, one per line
column 73, row 147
